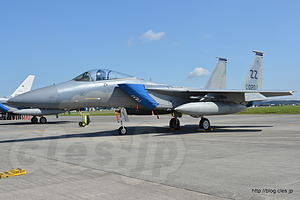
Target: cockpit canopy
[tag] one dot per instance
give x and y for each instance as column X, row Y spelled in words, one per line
column 100, row 74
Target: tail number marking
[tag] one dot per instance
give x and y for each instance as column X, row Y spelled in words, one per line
column 251, row 87
column 253, row 74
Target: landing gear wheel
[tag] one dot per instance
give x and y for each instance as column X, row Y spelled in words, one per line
column 43, row 120
column 34, row 120
column 81, row 124
column 204, row 124
column 122, row 131
column 174, row 123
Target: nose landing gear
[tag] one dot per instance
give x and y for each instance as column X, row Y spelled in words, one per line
column 85, row 121
column 123, row 117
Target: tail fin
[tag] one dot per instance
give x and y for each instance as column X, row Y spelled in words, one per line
column 217, row 79
column 25, row 86
column 253, row 80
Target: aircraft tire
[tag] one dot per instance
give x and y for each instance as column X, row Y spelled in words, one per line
column 174, row 123
column 43, row 120
column 204, row 124
column 122, row 131
column 34, row 120
column 81, row 124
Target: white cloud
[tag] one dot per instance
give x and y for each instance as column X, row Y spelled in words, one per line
column 204, row 37
column 150, row 35
column 130, row 42
column 198, row 72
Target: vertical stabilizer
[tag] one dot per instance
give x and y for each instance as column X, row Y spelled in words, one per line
column 253, row 80
column 217, row 79
column 25, row 86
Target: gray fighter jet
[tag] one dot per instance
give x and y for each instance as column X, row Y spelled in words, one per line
column 108, row 88
column 217, row 81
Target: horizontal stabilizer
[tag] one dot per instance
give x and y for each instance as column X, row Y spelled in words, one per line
column 254, row 97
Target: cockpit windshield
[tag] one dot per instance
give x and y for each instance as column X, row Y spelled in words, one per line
column 100, row 74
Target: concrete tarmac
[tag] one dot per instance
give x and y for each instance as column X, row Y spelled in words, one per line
column 245, row 157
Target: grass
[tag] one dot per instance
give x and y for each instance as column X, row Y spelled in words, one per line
column 272, row 110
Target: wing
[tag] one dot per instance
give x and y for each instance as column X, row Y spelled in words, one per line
column 227, row 95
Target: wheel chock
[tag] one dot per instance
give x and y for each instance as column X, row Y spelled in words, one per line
column 202, row 130
column 3, row 175
column 12, row 172
column 9, row 174
column 172, row 129
column 18, row 171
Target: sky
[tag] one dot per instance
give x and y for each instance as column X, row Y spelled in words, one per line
column 172, row 42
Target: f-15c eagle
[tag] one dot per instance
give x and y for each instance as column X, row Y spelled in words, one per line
column 108, row 88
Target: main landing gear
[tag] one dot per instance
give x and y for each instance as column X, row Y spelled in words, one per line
column 123, row 117
column 203, row 123
column 34, row 120
column 174, row 123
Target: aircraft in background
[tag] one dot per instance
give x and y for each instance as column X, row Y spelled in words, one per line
column 24, row 87
column 6, row 107
column 108, row 88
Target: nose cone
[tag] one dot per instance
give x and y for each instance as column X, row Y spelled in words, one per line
column 41, row 98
